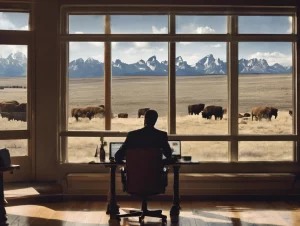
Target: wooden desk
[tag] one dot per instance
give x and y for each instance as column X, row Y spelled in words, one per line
column 113, row 207
column 3, row 218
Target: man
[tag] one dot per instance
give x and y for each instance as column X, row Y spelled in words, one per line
column 147, row 137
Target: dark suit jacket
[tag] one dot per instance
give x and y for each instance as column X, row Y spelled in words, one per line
column 147, row 137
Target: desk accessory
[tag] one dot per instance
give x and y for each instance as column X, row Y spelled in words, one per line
column 186, row 158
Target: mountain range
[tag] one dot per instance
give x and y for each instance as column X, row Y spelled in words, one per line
column 16, row 65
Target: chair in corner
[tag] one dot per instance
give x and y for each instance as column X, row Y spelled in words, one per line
column 145, row 177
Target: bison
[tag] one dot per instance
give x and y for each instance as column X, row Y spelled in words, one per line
column 142, row 111
column 195, row 109
column 21, row 107
column 247, row 115
column 18, row 116
column 209, row 111
column 122, row 115
column 274, row 111
column 10, row 107
column 240, row 115
column 290, row 112
column 261, row 112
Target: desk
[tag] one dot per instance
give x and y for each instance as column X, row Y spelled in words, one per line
column 3, row 218
column 113, row 207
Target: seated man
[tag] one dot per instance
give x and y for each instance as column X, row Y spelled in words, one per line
column 147, row 137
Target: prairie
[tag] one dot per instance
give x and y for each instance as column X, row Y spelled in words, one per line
column 134, row 92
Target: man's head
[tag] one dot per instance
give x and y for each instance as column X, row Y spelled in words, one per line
column 150, row 118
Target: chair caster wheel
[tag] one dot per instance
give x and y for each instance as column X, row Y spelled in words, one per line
column 141, row 220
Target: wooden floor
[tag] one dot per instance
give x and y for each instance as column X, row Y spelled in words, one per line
column 73, row 213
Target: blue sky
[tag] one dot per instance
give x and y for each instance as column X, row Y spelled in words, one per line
column 131, row 52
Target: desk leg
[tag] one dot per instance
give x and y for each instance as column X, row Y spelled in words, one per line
column 175, row 210
column 112, row 207
column 3, row 218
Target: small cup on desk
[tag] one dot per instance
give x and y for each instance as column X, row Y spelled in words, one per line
column 186, row 158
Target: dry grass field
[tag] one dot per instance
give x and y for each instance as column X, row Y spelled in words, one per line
column 131, row 93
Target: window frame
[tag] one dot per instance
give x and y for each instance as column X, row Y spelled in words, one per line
column 26, row 38
column 232, row 38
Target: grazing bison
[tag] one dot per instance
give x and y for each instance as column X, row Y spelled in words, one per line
column 142, row 111
column 247, row 115
column 21, row 107
column 92, row 111
column 290, row 112
column 240, row 115
column 261, row 112
column 18, row 116
column 274, row 111
column 10, row 102
column 122, row 115
column 209, row 111
column 195, row 109
column 10, row 107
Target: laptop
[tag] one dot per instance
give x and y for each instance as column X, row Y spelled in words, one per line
column 174, row 144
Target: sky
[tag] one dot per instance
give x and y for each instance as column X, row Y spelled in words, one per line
column 131, row 52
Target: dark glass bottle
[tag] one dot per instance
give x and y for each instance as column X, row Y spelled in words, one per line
column 102, row 153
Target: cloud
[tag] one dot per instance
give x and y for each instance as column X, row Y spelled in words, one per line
column 273, row 58
column 290, row 30
column 205, row 30
column 79, row 32
column 25, row 28
column 5, row 50
column 216, row 46
column 163, row 30
column 185, row 43
column 5, row 23
column 194, row 29
column 141, row 44
column 98, row 44
column 161, row 50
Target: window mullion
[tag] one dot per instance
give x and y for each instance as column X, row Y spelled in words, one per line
column 172, row 78
column 232, row 57
column 107, row 75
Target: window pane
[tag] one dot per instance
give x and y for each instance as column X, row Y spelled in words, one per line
column 266, row 151
column 15, row 147
column 14, row 21
column 86, row 87
column 86, row 24
column 205, row 151
column 265, row 88
column 201, row 24
column 265, row 24
column 83, row 149
column 13, row 87
column 139, row 81
column 139, row 24
column 201, row 81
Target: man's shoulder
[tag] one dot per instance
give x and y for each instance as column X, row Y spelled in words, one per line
column 160, row 132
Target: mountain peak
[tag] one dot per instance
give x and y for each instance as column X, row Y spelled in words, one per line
column 153, row 58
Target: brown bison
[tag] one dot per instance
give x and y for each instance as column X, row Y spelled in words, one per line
column 209, row 111
column 247, row 115
column 261, row 112
column 274, row 111
column 142, row 111
column 195, row 109
column 18, row 116
column 290, row 112
column 10, row 107
column 21, row 107
column 89, row 112
column 10, row 102
column 122, row 115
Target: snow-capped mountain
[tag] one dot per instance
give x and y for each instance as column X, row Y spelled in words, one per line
column 16, row 65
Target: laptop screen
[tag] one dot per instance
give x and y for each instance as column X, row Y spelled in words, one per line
column 174, row 144
column 114, row 147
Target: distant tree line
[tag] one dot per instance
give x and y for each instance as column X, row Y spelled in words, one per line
column 12, row 87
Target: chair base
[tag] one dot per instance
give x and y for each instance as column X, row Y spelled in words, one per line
column 144, row 213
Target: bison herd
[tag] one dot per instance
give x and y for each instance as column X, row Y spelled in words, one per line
column 217, row 111
column 13, row 110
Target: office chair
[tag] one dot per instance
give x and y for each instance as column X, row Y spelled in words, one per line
column 145, row 176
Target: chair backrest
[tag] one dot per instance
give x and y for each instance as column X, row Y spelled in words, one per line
column 144, row 168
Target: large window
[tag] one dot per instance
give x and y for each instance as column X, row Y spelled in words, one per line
column 15, row 77
column 207, row 76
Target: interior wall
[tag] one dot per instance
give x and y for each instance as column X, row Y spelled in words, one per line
column 47, row 55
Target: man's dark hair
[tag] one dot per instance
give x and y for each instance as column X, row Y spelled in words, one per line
column 150, row 118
